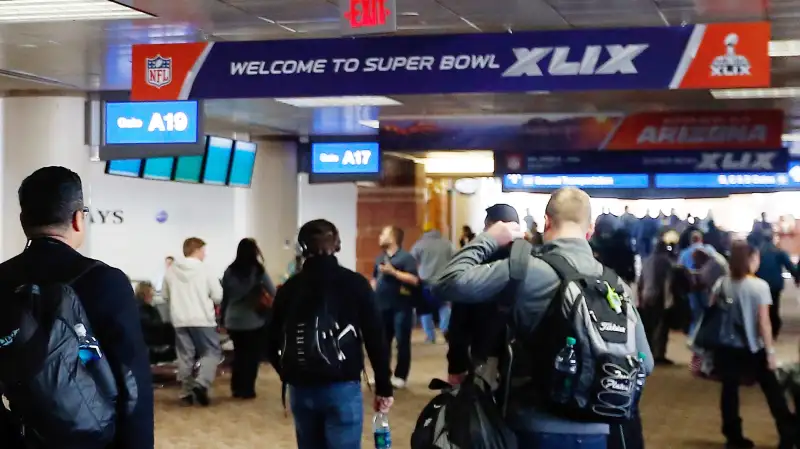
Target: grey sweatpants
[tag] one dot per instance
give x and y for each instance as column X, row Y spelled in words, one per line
column 197, row 345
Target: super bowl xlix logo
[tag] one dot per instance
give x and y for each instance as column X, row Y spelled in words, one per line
column 159, row 71
column 731, row 63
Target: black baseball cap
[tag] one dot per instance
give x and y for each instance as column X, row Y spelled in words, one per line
column 501, row 212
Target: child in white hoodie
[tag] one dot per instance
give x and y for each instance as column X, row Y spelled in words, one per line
column 192, row 292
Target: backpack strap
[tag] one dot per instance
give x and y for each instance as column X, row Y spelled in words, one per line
column 560, row 265
column 517, row 271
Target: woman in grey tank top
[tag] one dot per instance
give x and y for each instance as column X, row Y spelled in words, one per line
column 752, row 355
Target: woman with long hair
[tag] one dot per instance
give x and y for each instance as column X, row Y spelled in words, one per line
column 244, row 284
column 750, row 354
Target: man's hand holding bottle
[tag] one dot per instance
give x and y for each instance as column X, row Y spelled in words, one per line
column 382, row 405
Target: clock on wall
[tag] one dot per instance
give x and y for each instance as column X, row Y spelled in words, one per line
column 466, row 186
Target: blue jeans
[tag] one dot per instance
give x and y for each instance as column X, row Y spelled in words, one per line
column 428, row 325
column 328, row 417
column 397, row 325
column 560, row 441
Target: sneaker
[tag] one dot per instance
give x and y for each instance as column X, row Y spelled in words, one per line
column 201, row 395
column 740, row 443
column 398, row 383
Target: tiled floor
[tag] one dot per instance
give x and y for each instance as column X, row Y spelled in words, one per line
column 678, row 411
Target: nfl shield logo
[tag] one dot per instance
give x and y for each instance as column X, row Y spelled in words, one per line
column 514, row 162
column 159, row 71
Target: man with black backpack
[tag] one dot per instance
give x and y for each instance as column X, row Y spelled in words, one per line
column 74, row 367
column 579, row 351
column 322, row 318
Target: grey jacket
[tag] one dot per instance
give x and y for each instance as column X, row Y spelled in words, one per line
column 467, row 279
column 240, row 313
column 432, row 252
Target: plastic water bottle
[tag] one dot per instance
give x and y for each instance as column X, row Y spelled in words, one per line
column 566, row 368
column 88, row 347
column 383, row 434
column 640, row 378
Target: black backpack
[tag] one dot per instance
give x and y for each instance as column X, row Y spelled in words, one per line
column 315, row 343
column 598, row 314
column 59, row 402
column 462, row 417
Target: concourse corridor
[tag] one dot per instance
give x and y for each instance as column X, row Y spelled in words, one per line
column 678, row 411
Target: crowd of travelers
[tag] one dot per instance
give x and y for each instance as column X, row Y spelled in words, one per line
column 551, row 332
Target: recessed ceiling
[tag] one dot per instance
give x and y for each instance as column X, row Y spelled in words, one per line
column 95, row 55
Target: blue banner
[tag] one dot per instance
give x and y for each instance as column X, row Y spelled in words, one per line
column 679, row 161
column 731, row 181
column 685, row 57
column 539, row 183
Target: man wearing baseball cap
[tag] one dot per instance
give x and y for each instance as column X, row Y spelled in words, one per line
column 468, row 321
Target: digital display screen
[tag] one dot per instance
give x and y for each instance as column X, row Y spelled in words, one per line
column 345, row 158
column 159, row 168
column 791, row 178
column 124, row 167
column 152, row 122
column 524, row 183
column 188, row 168
column 244, row 159
column 218, row 160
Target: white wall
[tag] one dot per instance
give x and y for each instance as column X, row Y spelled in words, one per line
column 335, row 202
column 219, row 215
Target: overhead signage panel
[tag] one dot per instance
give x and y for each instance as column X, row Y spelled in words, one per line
column 151, row 122
column 748, row 129
column 534, row 183
column 151, row 129
column 345, row 158
column 732, row 181
column 589, row 162
column 720, row 55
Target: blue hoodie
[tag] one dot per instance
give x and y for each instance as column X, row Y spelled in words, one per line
column 773, row 261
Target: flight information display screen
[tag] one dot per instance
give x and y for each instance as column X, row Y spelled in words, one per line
column 218, row 160
column 189, row 168
column 124, row 167
column 159, row 168
column 244, row 159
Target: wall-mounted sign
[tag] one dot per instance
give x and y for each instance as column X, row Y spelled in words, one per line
column 697, row 56
column 608, row 161
column 151, row 129
column 345, row 158
column 732, row 181
column 539, row 183
column 358, row 17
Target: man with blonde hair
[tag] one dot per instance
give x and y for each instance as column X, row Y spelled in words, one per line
column 535, row 282
column 192, row 292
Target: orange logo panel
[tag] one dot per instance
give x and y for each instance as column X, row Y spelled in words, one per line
column 159, row 71
column 731, row 55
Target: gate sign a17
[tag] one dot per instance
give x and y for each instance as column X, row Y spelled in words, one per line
column 712, row 56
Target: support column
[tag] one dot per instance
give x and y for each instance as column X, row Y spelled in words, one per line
column 39, row 132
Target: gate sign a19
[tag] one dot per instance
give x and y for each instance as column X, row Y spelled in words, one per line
column 713, row 56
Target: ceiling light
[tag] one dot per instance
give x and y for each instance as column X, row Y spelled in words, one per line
column 370, row 123
column 322, row 102
column 743, row 94
column 475, row 163
column 784, row 49
column 791, row 137
column 29, row 11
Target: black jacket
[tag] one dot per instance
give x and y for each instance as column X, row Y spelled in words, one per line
column 357, row 308
column 107, row 297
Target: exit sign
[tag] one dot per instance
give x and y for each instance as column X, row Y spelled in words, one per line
column 359, row 17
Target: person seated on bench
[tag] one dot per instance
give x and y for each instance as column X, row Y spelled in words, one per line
column 158, row 335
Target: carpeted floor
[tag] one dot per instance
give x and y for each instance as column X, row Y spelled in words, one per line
column 678, row 411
